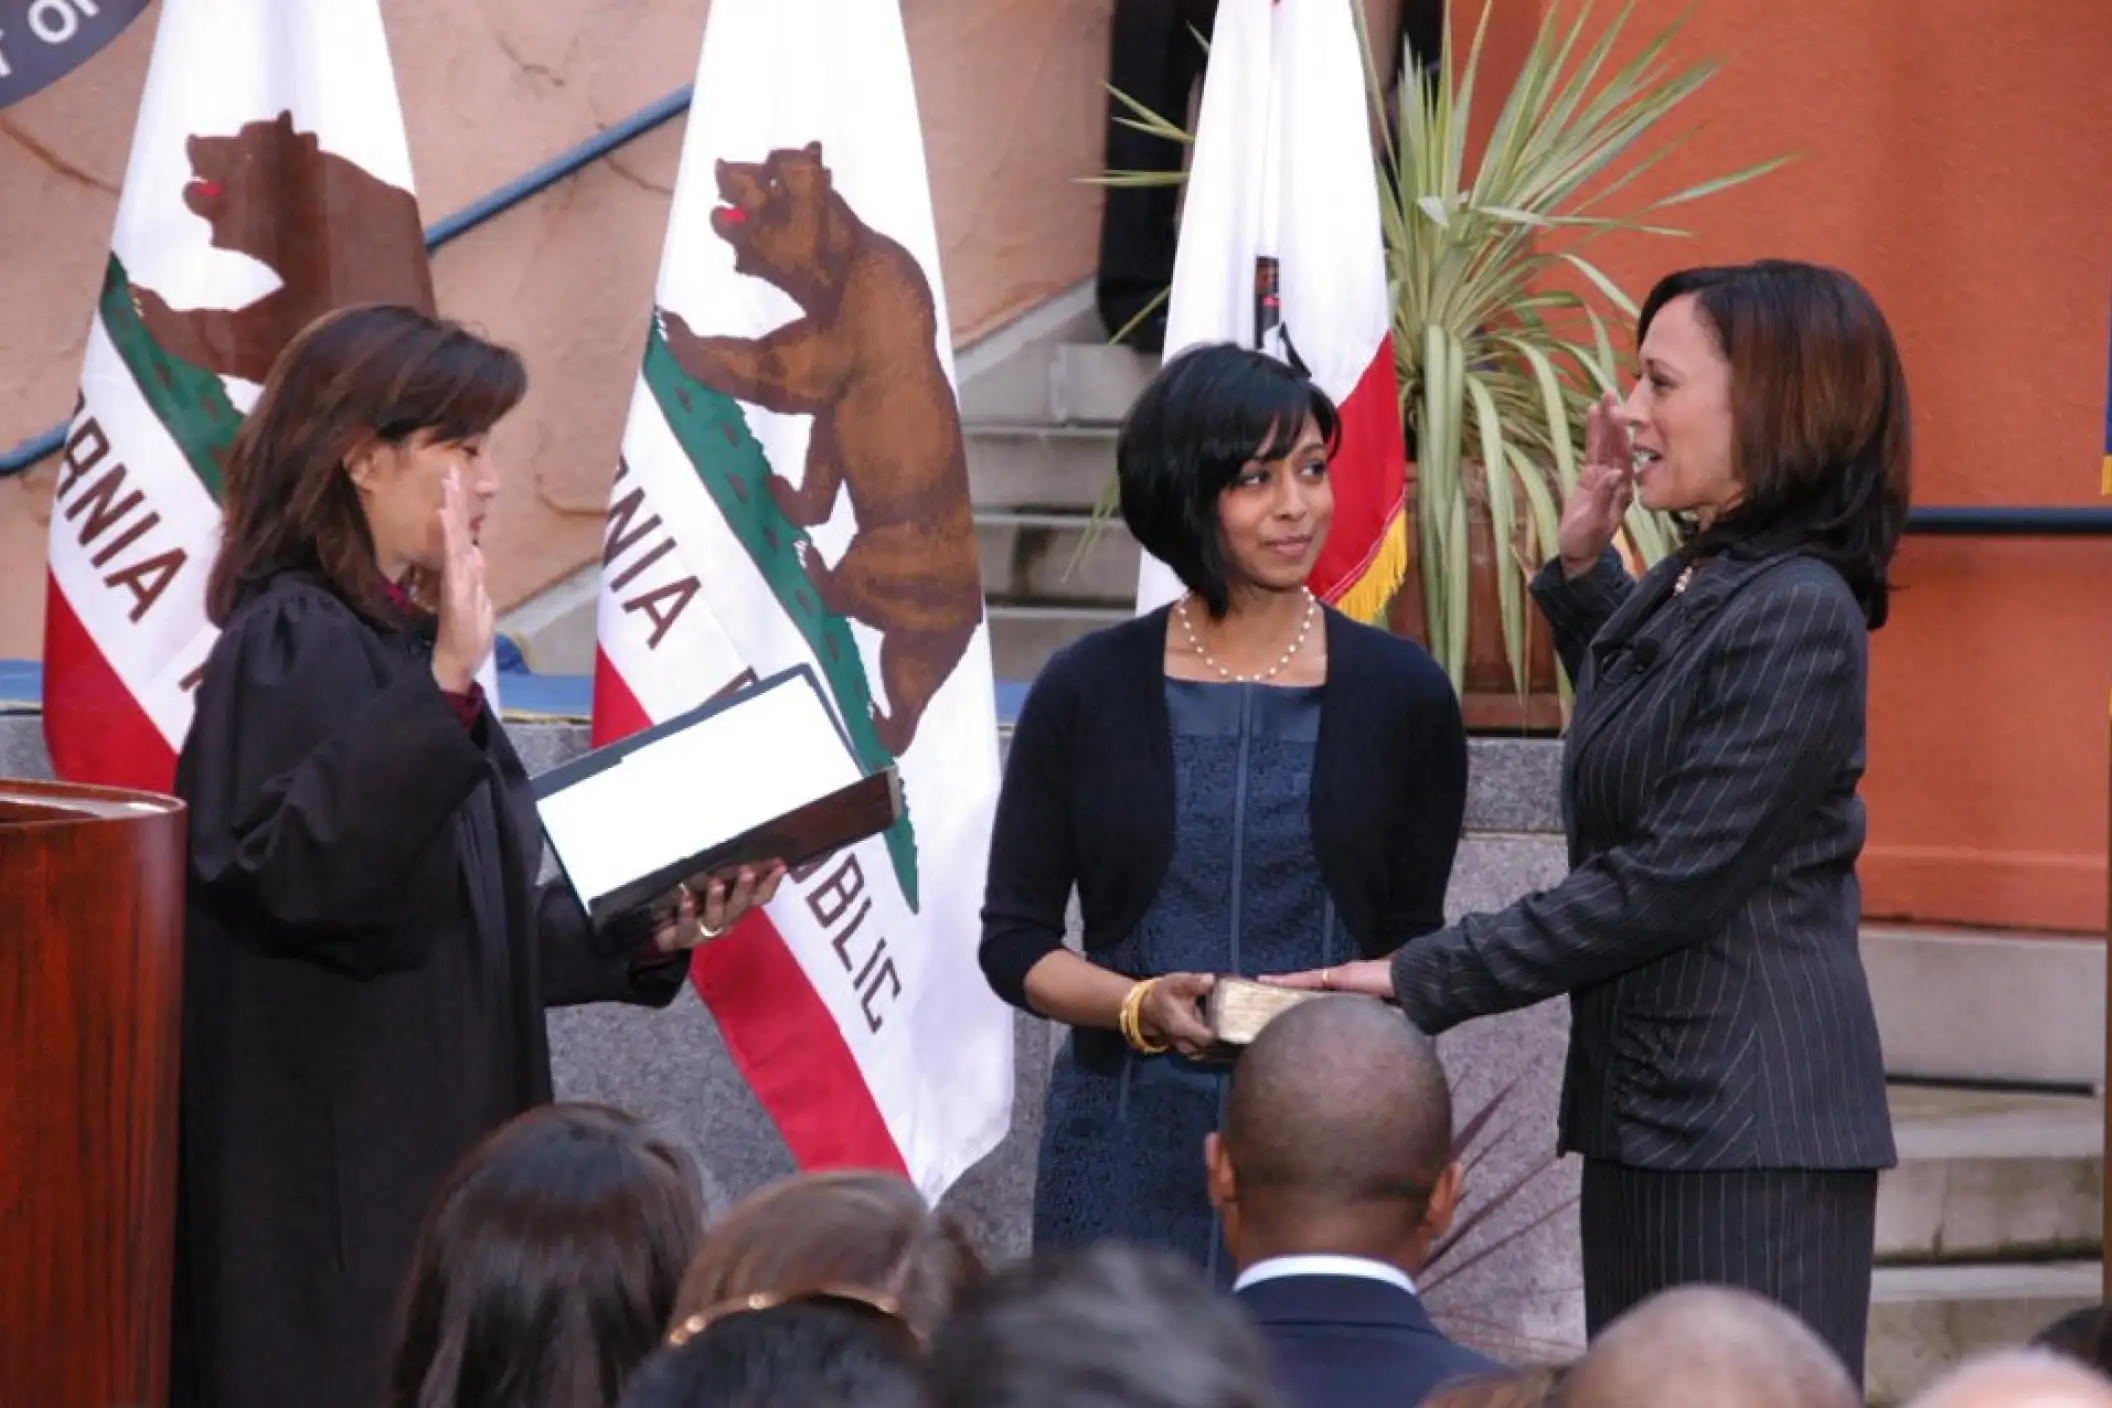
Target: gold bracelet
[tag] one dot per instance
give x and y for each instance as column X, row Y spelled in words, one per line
column 1130, row 1019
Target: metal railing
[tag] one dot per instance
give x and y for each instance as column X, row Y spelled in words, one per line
column 2011, row 522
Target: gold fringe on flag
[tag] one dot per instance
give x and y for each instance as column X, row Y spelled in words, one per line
column 2104, row 479
column 1367, row 598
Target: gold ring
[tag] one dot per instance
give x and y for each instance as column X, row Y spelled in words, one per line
column 1327, row 979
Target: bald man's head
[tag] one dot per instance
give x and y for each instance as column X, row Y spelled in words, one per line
column 1337, row 1136
column 2037, row 1377
column 1714, row 1345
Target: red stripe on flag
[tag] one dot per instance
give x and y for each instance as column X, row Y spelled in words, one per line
column 617, row 712
column 1369, row 475
column 788, row 1046
column 783, row 1039
column 94, row 729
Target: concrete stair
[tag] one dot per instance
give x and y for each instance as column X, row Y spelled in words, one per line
column 1039, row 420
column 1990, row 1228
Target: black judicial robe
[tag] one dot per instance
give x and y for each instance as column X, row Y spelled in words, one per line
column 367, row 957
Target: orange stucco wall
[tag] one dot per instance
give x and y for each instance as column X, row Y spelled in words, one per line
column 1952, row 159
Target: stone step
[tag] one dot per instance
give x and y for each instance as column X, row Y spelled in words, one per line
column 1925, row 1319
column 1052, row 559
column 1004, row 373
column 1022, row 638
column 1015, row 390
column 1095, row 383
column 1044, row 467
column 1960, row 1004
column 1988, row 1176
column 1067, row 383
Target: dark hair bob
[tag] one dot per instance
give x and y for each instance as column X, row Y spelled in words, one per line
column 1822, row 438
column 1211, row 410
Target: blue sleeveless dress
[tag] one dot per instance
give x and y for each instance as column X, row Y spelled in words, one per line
column 1122, row 1147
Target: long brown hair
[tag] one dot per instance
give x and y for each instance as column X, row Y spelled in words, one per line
column 376, row 370
column 849, row 1227
column 547, row 1266
column 1822, row 440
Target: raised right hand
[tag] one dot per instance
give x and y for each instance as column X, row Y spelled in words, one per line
column 1605, row 485
column 468, row 621
column 1172, row 1012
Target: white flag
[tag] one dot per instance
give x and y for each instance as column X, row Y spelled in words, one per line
column 794, row 490
column 269, row 182
column 1280, row 250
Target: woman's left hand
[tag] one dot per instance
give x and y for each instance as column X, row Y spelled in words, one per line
column 1367, row 977
column 706, row 906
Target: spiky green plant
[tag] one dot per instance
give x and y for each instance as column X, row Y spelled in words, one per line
column 1498, row 352
column 1483, row 1232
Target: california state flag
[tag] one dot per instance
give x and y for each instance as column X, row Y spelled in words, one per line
column 1280, row 250
column 793, row 491
column 269, row 182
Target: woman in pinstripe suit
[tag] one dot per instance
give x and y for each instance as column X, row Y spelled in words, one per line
column 1724, row 1082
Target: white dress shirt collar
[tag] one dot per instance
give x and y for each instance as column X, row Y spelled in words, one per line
column 1324, row 1264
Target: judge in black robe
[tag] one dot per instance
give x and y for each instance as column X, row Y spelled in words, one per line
column 367, row 959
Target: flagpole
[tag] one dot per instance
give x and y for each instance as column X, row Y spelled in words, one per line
column 1268, row 287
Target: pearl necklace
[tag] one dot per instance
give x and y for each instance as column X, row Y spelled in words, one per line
column 1297, row 643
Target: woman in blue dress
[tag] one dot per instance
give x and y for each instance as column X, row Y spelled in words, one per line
column 1242, row 782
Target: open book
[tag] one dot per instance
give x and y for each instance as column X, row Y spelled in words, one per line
column 761, row 774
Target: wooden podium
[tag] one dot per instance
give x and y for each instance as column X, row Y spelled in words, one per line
column 90, row 992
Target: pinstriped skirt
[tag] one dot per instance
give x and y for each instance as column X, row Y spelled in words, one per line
column 1804, row 1238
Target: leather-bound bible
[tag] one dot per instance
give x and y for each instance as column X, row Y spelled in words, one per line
column 1236, row 1009
column 764, row 773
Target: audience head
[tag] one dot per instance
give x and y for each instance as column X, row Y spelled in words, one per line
column 801, row 1353
column 872, row 1232
column 1527, row 1388
column 1108, row 1327
column 1709, row 1344
column 2039, row 1378
column 1222, row 469
column 1307, row 1161
column 2085, row 1335
column 547, row 1268
column 339, row 468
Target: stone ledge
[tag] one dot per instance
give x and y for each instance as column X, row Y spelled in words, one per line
column 1967, row 1005
column 1511, row 783
column 1926, row 1319
column 1992, row 1176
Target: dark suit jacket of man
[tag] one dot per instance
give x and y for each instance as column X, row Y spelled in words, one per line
column 1720, row 1017
column 1349, row 1341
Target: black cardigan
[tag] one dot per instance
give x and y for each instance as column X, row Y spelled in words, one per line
column 1088, row 797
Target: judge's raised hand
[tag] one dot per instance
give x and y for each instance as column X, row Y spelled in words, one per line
column 1366, row 977
column 1172, row 1012
column 467, row 619
column 706, row 906
column 1605, row 485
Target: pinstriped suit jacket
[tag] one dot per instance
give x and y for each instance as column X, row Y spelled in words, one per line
column 1706, row 935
